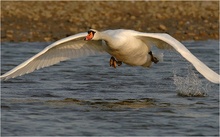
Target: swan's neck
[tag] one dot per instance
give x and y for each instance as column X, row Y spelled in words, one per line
column 105, row 37
column 110, row 41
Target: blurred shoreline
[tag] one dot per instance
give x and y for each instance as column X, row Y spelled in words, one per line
column 53, row 20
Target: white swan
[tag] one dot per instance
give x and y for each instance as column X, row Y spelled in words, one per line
column 127, row 46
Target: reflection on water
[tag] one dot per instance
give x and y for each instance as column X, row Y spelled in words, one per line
column 96, row 103
column 86, row 97
column 99, row 103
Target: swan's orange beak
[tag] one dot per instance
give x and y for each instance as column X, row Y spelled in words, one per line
column 89, row 36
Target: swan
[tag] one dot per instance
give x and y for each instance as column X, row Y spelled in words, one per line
column 125, row 46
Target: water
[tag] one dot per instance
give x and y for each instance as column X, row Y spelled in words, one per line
column 86, row 97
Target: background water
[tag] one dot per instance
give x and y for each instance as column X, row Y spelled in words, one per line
column 86, row 97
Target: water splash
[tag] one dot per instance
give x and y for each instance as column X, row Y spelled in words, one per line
column 189, row 86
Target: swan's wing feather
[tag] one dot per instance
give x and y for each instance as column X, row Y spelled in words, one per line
column 165, row 41
column 64, row 49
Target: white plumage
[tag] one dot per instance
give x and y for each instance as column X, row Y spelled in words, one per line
column 128, row 46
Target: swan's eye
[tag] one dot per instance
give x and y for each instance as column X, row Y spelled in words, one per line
column 90, row 31
column 89, row 36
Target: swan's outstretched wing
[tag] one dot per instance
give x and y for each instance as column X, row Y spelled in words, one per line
column 64, row 49
column 165, row 41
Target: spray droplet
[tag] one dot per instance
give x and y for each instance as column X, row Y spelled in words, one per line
column 189, row 86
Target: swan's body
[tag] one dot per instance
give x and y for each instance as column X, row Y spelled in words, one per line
column 128, row 49
column 127, row 46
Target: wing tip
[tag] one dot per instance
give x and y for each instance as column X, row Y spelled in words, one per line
column 3, row 78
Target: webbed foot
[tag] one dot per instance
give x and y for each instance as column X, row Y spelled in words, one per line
column 113, row 62
column 153, row 59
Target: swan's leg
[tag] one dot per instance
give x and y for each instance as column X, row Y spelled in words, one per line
column 153, row 59
column 113, row 62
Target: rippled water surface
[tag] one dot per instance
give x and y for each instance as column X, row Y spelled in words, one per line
column 86, row 97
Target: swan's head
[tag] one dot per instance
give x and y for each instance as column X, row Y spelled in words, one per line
column 92, row 35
